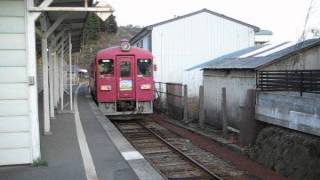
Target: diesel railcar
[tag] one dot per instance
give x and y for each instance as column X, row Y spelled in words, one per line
column 121, row 80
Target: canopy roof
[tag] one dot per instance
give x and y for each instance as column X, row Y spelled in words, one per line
column 75, row 13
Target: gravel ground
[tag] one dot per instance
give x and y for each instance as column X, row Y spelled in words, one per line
column 237, row 160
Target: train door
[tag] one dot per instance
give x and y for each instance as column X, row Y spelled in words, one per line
column 125, row 78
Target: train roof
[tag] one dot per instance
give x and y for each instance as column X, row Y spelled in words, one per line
column 117, row 50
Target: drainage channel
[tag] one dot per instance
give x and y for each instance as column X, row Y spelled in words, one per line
column 171, row 162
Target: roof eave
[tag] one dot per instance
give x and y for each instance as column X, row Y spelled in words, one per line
column 150, row 27
column 227, row 69
column 255, row 28
column 142, row 33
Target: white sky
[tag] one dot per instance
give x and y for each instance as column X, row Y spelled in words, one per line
column 284, row 17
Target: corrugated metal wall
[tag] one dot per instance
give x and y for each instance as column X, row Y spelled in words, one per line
column 144, row 42
column 181, row 44
column 15, row 135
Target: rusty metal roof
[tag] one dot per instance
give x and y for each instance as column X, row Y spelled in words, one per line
column 257, row 57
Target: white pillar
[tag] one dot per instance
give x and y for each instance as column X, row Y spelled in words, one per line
column 44, row 46
column 56, row 79
column 61, row 78
column 33, row 88
column 47, row 32
column 54, row 76
column 70, row 71
column 77, row 63
column 51, row 83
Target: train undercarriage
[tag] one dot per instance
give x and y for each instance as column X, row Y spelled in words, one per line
column 126, row 107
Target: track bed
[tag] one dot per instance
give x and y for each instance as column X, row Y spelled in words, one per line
column 176, row 157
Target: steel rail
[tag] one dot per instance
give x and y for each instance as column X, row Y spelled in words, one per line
column 215, row 176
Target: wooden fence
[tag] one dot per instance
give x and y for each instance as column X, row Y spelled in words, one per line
column 294, row 80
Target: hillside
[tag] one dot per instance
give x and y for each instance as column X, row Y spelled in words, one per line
column 105, row 40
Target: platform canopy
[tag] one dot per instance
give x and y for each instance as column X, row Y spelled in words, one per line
column 59, row 25
column 70, row 15
column 26, row 77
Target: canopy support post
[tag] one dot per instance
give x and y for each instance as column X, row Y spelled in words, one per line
column 62, row 77
column 70, row 71
column 44, row 47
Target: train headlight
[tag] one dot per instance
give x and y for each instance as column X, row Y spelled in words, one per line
column 105, row 88
column 125, row 45
column 145, row 86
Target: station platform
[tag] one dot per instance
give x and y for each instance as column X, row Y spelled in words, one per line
column 84, row 144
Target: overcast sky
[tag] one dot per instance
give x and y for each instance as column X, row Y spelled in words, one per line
column 284, row 17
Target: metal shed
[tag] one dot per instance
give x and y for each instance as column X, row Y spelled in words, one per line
column 59, row 25
column 237, row 73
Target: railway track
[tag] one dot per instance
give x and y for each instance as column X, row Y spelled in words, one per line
column 169, row 160
column 165, row 156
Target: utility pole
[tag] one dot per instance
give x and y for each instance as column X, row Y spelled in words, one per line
column 303, row 35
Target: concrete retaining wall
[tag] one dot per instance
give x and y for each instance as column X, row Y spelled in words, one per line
column 290, row 110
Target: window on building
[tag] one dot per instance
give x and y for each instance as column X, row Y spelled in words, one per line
column 125, row 69
column 106, row 67
column 145, row 67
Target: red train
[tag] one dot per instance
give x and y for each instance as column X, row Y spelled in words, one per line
column 121, row 80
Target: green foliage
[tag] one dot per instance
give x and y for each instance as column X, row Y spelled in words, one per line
column 111, row 24
column 99, row 35
column 104, row 39
column 92, row 26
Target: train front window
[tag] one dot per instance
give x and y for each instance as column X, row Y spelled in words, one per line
column 106, row 67
column 144, row 67
column 125, row 69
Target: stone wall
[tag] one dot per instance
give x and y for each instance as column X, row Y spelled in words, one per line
column 293, row 154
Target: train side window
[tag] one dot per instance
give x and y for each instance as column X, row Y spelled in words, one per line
column 144, row 67
column 106, row 67
column 125, row 69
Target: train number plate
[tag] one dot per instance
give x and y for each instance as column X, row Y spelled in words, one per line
column 126, row 85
